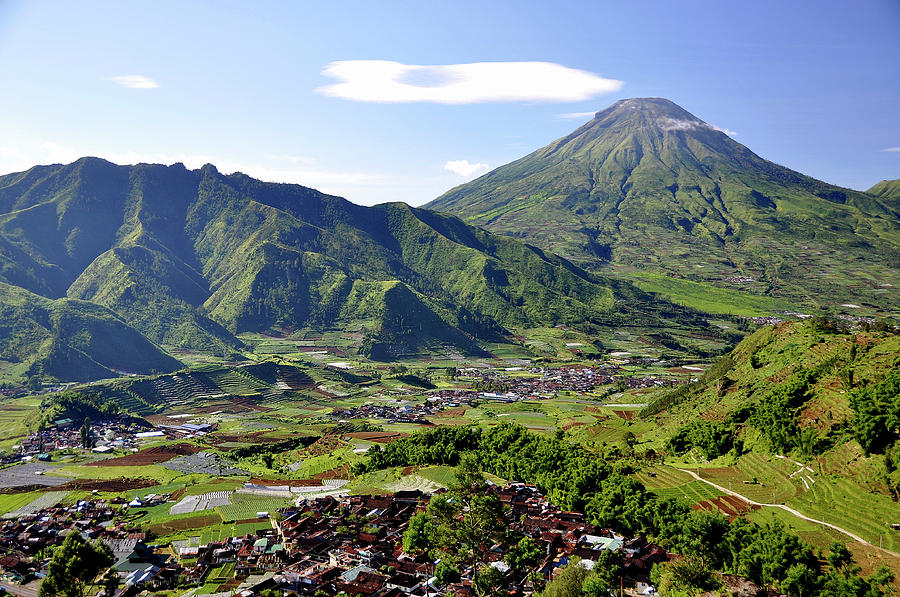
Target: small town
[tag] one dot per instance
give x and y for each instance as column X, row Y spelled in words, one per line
column 323, row 546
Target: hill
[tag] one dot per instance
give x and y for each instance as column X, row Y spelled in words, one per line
column 802, row 414
column 646, row 187
column 71, row 339
column 888, row 190
column 192, row 258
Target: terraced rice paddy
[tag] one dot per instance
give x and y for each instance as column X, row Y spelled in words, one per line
column 692, row 493
column 728, row 505
column 757, row 477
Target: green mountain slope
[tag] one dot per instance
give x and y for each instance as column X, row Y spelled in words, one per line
column 72, row 340
column 888, row 190
column 646, row 186
column 803, row 413
column 191, row 258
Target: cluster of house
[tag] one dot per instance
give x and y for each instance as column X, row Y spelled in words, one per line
column 325, row 546
column 26, row 538
column 112, row 433
column 548, row 382
column 544, row 383
column 354, row 545
column 394, row 411
column 183, row 431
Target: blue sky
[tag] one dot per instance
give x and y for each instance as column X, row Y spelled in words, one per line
column 813, row 85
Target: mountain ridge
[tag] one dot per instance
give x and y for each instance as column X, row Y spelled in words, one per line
column 192, row 258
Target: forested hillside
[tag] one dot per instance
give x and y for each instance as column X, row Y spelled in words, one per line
column 192, row 258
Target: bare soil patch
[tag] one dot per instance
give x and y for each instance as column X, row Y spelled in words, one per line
column 153, row 455
column 110, row 485
column 381, row 437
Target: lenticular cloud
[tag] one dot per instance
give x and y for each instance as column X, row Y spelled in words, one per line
column 480, row 82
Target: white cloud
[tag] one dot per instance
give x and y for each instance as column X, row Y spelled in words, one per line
column 891, row 149
column 135, row 81
column 728, row 132
column 385, row 81
column 465, row 168
column 575, row 115
column 677, row 124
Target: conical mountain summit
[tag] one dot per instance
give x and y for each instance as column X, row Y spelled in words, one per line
column 646, row 186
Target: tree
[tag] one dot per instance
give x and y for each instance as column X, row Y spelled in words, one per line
column 418, row 536
column 488, row 581
column 839, row 556
column 682, row 577
column 110, row 583
column 604, row 576
column 524, row 555
column 463, row 523
column 569, row 582
column 446, row 572
column 86, row 441
column 74, row 565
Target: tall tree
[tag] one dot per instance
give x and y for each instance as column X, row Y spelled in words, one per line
column 462, row 524
column 73, row 567
column 86, row 440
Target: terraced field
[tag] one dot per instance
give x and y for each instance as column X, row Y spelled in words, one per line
column 757, row 477
column 691, row 493
column 10, row 502
column 180, row 389
column 233, row 383
column 843, row 503
column 414, row 483
column 13, row 415
column 662, row 477
column 442, row 475
column 204, row 501
column 245, row 506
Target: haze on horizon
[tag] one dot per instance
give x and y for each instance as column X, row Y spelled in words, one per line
column 402, row 102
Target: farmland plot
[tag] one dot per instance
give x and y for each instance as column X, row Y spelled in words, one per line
column 204, row 501
column 46, row 500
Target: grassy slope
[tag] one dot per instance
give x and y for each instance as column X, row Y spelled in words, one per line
column 888, row 190
column 706, row 297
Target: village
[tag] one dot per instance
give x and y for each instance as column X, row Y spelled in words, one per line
column 500, row 385
column 323, row 546
column 116, row 432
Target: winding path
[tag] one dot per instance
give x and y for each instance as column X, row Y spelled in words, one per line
column 853, row 536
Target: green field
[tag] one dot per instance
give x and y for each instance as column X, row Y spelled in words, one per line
column 14, row 501
column 711, row 299
column 245, row 506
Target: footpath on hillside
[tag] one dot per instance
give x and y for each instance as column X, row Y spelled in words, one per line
column 796, row 513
